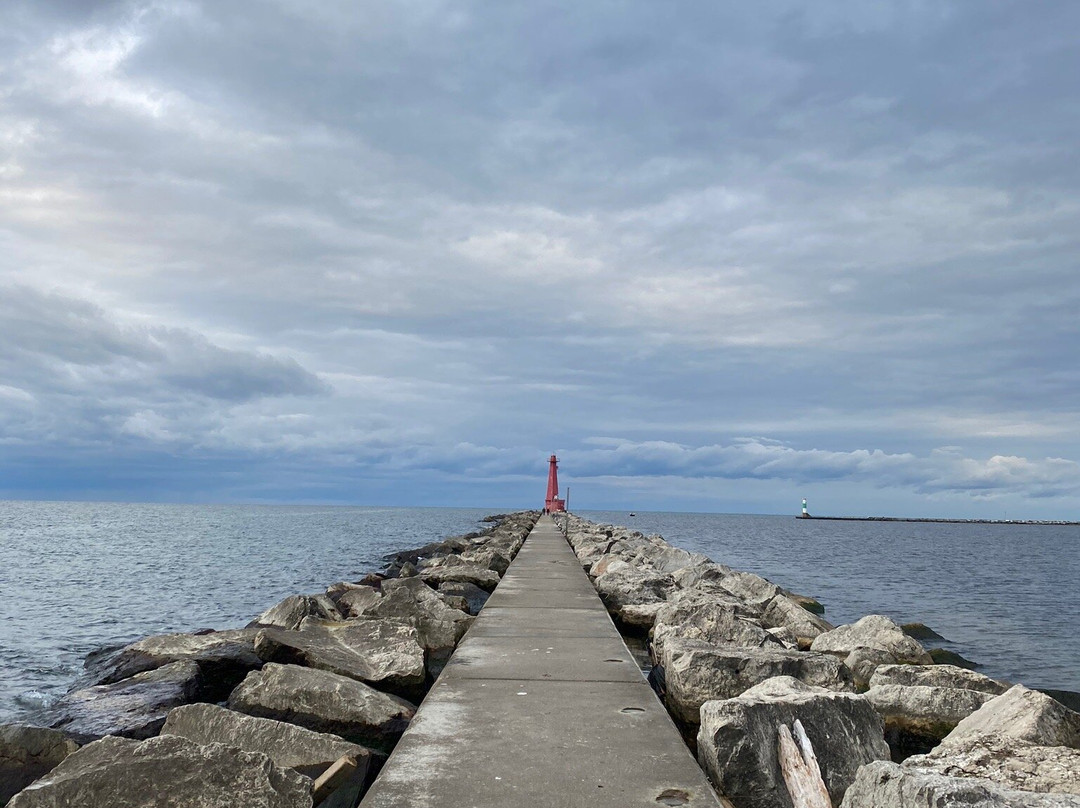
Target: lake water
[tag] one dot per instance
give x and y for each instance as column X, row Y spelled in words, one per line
column 75, row 576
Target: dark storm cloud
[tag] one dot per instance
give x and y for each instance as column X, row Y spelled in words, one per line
column 496, row 229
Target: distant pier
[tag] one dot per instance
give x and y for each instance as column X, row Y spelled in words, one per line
column 942, row 521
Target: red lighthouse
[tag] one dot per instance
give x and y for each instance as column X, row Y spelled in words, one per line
column 552, row 503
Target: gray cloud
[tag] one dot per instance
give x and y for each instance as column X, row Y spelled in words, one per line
column 418, row 237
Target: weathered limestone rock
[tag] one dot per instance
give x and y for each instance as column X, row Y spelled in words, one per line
column 705, row 577
column 887, row 785
column 1023, row 715
column 132, row 708
column 697, row 672
column 737, row 742
column 641, row 615
column 783, row 612
column 490, row 557
column 355, row 601
column 324, row 702
column 455, row 601
column 1007, row 762
column 609, row 562
column 224, row 659
column 465, row 573
column 672, row 559
column 872, row 641
column 936, row 676
column 474, row 596
column 289, row 612
column 439, row 627
column 380, row 652
column 717, row 619
column 630, row 587
column 287, row 745
column 166, row 771
column 750, row 588
column 27, row 753
column 917, row 717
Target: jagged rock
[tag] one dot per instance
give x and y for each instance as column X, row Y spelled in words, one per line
column 696, row 672
column 936, row 676
column 886, row 785
column 943, row 656
column 633, row 587
column 324, row 702
column 737, row 742
column 380, row 652
column 1007, row 762
column 812, row 605
column 640, row 616
column 750, row 588
column 489, row 557
column 610, row 562
column 27, row 753
column 918, row 717
column 287, row 745
column 289, row 612
column 1023, row 715
column 132, row 708
column 166, row 771
column 439, row 627
column 224, row 659
column 715, row 619
column 782, row 611
column 872, row 641
column 705, row 577
column 474, row 596
column 355, row 601
column 920, row 631
column 465, row 573
column 672, row 559
column 455, row 602
column 785, row 636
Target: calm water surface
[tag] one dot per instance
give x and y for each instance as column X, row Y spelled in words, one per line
column 75, row 576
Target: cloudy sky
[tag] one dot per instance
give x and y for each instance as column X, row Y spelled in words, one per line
column 716, row 255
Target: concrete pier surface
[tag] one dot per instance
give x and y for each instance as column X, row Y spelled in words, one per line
column 542, row 705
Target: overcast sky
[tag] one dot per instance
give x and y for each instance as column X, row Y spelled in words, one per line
column 716, row 255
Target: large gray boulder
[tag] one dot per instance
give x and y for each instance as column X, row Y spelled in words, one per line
column 224, row 659
column 782, row 612
column 439, row 627
column 166, row 772
column 292, row 610
column 324, row 702
column 287, row 745
column 751, row 588
column 737, row 742
column 463, row 573
column 132, row 708
column 705, row 577
column 490, row 557
column 936, row 676
column 918, row 717
column 356, row 600
column 696, row 672
column 475, row 597
column 27, row 753
column 1023, row 715
column 887, row 785
column 870, row 642
column 673, row 559
column 386, row 653
column 630, row 586
column 716, row 619
column 1006, row 761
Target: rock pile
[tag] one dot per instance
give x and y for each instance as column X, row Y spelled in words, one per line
column 737, row 660
column 317, row 685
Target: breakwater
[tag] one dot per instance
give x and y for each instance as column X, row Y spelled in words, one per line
column 770, row 695
column 738, row 660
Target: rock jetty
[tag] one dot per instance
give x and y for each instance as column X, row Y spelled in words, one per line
column 297, row 709
column 738, row 661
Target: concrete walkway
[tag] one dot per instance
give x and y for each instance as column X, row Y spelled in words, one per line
column 541, row 705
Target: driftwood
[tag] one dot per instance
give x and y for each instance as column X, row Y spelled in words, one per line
column 799, row 765
column 340, row 771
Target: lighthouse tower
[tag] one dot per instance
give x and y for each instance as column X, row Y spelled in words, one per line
column 552, row 503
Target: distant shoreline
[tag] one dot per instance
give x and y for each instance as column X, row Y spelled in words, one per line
column 946, row 521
